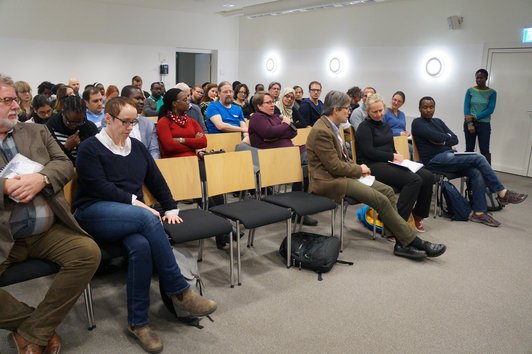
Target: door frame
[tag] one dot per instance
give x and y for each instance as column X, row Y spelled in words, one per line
column 213, row 67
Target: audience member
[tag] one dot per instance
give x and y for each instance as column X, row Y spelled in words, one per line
column 435, row 140
column 285, row 108
column 395, row 118
column 42, row 110
column 240, row 98
column 355, row 94
column 334, row 175
column 211, row 95
column 258, row 88
column 45, row 88
column 24, row 100
column 37, row 223
column 144, row 131
column 155, row 101
column 311, row 108
column 62, row 92
column 274, row 88
column 178, row 134
column 111, row 92
column 71, row 127
column 222, row 116
column 112, row 169
column 375, row 148
column 74, row 83
column 197, row 95
column 137, row 82
column 298, row 90
column 359, row 114
column 94, row 103
column 479, row 104
column 194, row 111
column 235, row 84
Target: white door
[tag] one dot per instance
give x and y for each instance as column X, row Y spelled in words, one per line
column 511, row 124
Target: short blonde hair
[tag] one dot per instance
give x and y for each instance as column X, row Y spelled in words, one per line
column 374, row 98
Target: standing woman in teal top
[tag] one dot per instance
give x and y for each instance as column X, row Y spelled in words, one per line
column 479, row 104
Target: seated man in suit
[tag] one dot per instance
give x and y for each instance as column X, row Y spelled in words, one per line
column 434, row 141
column 144, row 131
column 39, row 225
column 333, row 174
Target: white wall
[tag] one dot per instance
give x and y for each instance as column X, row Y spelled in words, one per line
column 55, row 39
column 384, row 45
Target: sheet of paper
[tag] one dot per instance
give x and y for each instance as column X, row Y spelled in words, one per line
column 411, row 165
column 368, row 180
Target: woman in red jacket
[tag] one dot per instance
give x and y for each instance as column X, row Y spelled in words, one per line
column 179, row 135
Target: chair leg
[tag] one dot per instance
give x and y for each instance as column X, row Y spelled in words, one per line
column 238, row 264
column 288, row 242
column 231, row 260
column 374, row 224
column 252, row 233
column 89, row 308
column 342, row 216
column 200, row 251
column 333, row 218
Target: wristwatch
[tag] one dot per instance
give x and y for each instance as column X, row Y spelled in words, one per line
column 46, row 180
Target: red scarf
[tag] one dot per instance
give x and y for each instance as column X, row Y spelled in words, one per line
column 179, row 120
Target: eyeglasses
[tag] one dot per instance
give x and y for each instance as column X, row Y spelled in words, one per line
column 267, row 102
column 126, row 123
column 8, row 100
column 290, row 97
column 70, row 123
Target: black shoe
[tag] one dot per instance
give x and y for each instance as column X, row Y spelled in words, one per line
column 220, row 241
column 408, row 252
column 433, row 249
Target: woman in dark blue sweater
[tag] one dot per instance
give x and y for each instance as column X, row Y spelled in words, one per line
column 109, row 205
column 375, row 148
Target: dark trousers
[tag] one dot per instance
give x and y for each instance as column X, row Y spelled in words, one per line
column 483, row 132
column 415, row 188
column 79, row 257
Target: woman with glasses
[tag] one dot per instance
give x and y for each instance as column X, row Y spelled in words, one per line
column 71, row 127
column 24, row 100
column 285, row 108
column 240, row 98
column 179, row 135
column 112, row 168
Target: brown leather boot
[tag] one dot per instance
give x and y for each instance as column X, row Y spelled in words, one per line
column 54, row 345
column 193, row 303
column 23, row 346
column 148, row 339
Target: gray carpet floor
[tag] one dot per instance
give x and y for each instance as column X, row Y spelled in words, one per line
column 476, row 298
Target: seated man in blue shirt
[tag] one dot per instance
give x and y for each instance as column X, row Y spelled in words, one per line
column 94, row 102
column 222, row 116
column 434, row 141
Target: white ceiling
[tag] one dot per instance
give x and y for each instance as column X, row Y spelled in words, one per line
column 238, row 8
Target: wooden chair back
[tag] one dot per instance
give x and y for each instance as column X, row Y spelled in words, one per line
column 229, row 172
column 280, row 166
column 182, row 176
column 301, row 137
column 225, row 141
column 69, row 190
column 353, row 143
column 401, row 146
column 415, row 150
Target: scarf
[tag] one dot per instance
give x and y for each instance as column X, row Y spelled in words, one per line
column 179, row 120
column 286, row 111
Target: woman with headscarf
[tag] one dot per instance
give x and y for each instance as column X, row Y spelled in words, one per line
column 285, row 108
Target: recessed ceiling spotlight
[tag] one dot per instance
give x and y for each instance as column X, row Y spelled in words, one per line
column 228, row 5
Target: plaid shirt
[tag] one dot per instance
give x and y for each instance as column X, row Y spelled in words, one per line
column 26, row 218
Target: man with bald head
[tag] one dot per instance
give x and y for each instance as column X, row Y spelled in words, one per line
column 74, row 83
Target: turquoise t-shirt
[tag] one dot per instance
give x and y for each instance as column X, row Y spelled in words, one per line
column 480, row 103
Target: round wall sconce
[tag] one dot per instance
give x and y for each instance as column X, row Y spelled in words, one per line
column 335, row 65
column 434, row 67
column 271, row 64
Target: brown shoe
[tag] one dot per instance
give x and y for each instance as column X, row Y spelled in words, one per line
column 54, row 345
column 23, row 346
column 148, row 339
column 193, row 303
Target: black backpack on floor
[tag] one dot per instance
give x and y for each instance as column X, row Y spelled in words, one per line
column 315, row 252
column 456, row 206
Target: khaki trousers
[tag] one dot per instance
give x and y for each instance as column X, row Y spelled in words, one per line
column 79, row 257
column 382, row 198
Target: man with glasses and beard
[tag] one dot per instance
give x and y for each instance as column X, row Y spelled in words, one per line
column 223, row 116
column 71, row 126
column 38, row 225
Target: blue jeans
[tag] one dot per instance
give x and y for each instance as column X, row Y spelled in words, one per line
column 483, row 132
column 146, row 243
column 476, row 167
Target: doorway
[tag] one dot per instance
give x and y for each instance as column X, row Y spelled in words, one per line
column 193, row 68
column 511, row 125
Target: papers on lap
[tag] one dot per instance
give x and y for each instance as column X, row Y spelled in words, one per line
column 411, row 165
column 20, row 165
column 368, row 180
